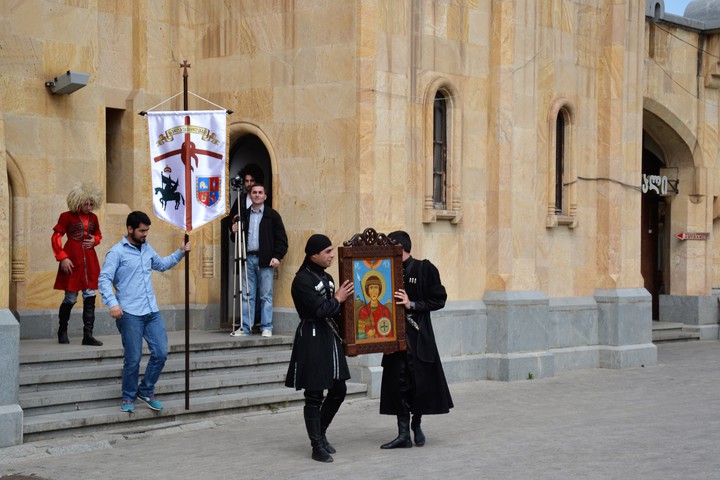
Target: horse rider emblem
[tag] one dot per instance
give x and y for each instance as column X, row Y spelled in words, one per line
column 168, row 193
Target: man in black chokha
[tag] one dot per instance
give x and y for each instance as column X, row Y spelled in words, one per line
column 413, row 380
column 317, row 362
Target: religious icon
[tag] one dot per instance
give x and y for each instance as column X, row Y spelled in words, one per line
column 372, row 322
column 374, row 319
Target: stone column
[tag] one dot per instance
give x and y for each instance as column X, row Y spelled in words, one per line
column 11, row 415
column 625, row 328
column 518, row 335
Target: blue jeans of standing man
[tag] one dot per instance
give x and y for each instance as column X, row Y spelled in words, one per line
column 260, row 284
column 133, row 329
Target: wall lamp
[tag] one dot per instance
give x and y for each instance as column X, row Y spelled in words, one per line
column 68, row 83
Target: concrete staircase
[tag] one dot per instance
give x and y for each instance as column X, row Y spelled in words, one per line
column 664, row 332
column 65, row 389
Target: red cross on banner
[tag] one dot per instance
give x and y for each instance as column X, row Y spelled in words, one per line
column 189, row 166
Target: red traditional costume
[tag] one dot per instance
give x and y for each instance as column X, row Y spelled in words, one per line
column 77, row 226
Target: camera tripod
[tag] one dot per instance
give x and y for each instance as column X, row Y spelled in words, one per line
column 239, row 267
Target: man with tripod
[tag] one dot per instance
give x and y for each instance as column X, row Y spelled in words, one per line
column 242, row 183
column 266, row 245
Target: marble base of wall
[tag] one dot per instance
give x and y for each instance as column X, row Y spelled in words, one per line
column 625, row 328
column 525, row 335
column 701, row 311
column 706, row 332
column 285, row 321
column 44, row 323
column 628, row 356
column 11, row 415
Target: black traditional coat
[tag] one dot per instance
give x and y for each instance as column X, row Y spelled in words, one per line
column 431, row 394
column 317, row 356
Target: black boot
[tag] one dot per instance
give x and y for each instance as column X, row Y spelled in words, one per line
column 403, row 439
column 328, row 448
column 88, row 317
column 312, row 424
column 64, row 315
column 417, row 431
column 329, row 408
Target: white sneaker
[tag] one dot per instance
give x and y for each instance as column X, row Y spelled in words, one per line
column 239, row 333
column 267, row 333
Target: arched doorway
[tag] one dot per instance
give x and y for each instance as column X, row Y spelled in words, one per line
column 667, row 156
column 654, row 223
column 247, row 149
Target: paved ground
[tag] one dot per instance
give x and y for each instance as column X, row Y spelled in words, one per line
column 659, row 423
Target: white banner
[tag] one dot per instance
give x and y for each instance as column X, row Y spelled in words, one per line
column 189, row 164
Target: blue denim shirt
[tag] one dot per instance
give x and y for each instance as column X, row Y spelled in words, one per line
column 129, row 270
column 253, row 243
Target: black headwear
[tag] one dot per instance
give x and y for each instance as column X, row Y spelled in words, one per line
column 316, row 244
column 402, row 238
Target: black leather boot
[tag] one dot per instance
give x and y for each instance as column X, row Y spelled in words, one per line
column 88, row 317
column 403, row 439
column 329, row 448
column 312, row 424
column 64, row 315
column 417, row 431
column 329, row 408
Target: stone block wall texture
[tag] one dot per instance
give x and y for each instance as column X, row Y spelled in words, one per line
column 341, row 94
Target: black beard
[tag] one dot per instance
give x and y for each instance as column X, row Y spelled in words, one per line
column 136, row 241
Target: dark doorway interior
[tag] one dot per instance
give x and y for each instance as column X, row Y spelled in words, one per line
column 247, row 149
column 652, row 234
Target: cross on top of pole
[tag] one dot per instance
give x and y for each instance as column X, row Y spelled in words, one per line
column 185, row 65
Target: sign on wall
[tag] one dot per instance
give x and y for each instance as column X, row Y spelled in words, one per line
column 693, row 235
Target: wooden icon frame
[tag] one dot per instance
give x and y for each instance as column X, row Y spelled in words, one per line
column 366, row 327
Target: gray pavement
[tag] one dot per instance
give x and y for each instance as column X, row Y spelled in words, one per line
column 660, row 423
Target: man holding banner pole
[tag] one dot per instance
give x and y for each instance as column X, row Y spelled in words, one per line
column 188, row 152
column 128, row 267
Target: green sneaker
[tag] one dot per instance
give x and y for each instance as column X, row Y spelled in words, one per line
column 152, row 402
column 127, row 406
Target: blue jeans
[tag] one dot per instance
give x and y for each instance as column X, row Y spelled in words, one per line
column 133, row 329
column 260, row 283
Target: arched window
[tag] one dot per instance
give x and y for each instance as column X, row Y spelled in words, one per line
column 562, row 205
column 440, row 149
column 559, row 161
column 442, row 146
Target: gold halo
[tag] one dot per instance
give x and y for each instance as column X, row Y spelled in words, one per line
column 370, row 273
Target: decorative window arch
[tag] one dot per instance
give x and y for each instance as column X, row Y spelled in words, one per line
column 562, row 180
column 442, row 161
column 440, row 150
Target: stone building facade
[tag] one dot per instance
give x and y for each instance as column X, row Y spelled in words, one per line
column 544, row 154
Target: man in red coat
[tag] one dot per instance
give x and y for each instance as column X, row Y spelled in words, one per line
column 79, row 267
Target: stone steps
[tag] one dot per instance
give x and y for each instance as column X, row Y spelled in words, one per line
column 66, row 389
column 665, row 332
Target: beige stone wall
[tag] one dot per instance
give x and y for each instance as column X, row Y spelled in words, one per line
column 289, row 75
column 340, row 92
column 286, row 69
column 5, row 226
column 684, row 97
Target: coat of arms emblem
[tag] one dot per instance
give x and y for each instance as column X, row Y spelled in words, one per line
column 208, row 190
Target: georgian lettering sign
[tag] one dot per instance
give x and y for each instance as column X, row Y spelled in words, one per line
column 655, row 183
